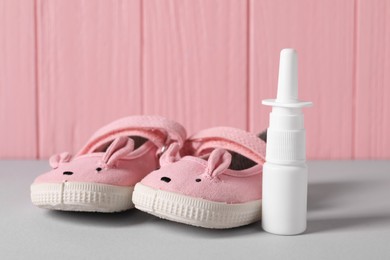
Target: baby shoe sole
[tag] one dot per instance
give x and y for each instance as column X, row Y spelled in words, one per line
column 79, row 196
column 195, row 211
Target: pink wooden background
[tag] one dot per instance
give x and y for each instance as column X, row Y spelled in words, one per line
column 69, row 66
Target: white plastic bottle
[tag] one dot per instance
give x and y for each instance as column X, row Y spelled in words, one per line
column 285, row 171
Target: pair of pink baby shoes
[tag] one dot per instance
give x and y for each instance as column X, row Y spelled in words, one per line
column 212, row 179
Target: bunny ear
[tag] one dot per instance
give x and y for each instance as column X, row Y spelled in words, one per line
column 219, row 160
column 119, row 148
column 57, row 159
column 171, row 155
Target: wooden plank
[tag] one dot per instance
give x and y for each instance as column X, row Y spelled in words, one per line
column 195, row 61
column 323, row 34
column 373, row 80
column 89, row 68
column 18, row 129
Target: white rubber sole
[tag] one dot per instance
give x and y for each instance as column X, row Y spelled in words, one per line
column 79, row 196
column 195, row 211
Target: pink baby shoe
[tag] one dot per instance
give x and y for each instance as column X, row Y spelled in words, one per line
column 217, row 185
column 102, row 176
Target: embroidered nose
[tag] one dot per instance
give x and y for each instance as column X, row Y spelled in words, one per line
column 67, row 173
column 166, row 179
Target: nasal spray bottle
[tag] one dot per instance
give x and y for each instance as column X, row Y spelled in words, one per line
column 285, row 171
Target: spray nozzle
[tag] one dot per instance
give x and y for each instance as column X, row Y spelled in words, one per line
column 287, row 95
column 288, row 76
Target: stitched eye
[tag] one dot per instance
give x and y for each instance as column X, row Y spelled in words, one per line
column 198, row 180
column 98, row 169
column 166, row 179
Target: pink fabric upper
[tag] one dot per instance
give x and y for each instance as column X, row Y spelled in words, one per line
column 119, row 164
column 210, row 178
column 126, row 171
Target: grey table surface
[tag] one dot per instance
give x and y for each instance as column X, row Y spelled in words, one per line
column 348, row 218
